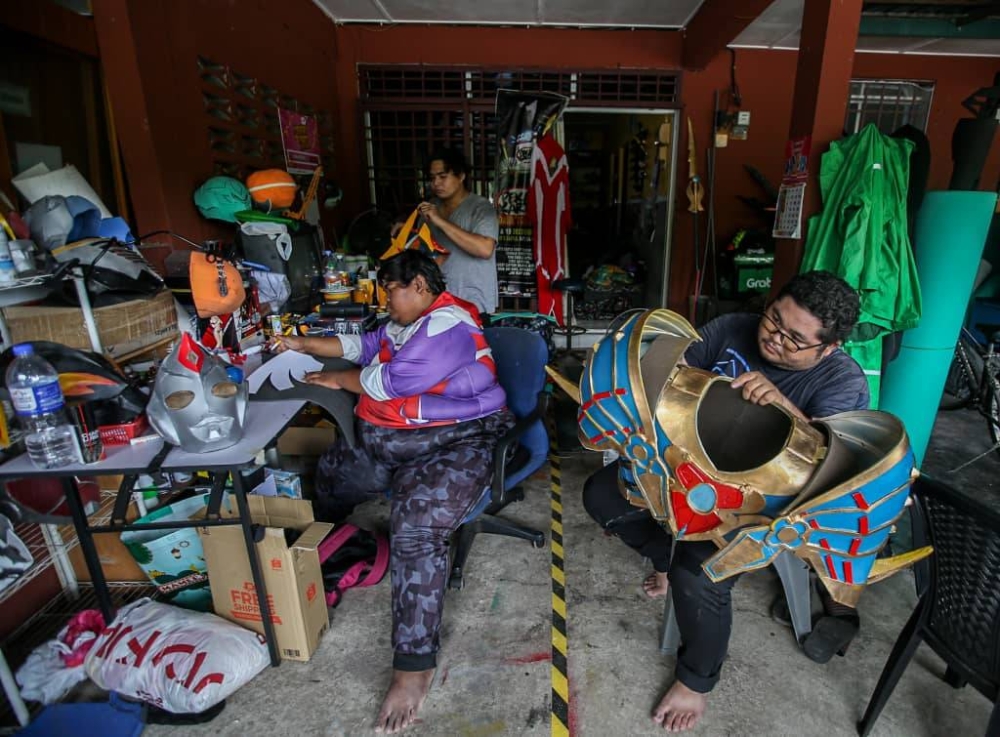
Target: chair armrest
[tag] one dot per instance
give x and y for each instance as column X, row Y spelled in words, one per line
column 509, row 440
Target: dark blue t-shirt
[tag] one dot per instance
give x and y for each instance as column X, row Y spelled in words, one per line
column 729, row 347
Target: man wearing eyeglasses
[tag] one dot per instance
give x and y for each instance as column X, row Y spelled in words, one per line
column 467, row 226
column 789, row 355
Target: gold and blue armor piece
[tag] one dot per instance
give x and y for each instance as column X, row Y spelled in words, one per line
column 754, row 479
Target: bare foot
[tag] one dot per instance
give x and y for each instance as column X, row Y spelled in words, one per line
column 656, row 585
column 403, row 700
column 680, row 708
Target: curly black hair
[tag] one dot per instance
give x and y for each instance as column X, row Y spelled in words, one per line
column 407, row 266
column 829, row 298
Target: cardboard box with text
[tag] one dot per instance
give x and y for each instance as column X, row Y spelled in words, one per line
column 291, row 573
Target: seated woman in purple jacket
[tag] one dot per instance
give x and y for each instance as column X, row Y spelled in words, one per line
column 430, row 413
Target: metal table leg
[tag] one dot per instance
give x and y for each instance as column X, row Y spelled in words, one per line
column 90, row 556
column 255, row 570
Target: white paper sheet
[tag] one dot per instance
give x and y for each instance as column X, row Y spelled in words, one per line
column 38, row 182
column 267, row 487
column 282, row 369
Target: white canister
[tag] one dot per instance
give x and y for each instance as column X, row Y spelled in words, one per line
column 22, row 253
column 7, row 271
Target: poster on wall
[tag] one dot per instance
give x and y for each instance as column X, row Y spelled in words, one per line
column 521, row 118
column 300, row 139
column 792, row 193
column 797, row 152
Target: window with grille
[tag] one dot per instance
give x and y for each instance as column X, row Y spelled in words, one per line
column 410, row 109
column 889, row 104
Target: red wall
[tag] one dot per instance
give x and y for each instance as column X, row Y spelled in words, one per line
column 302, row 53
column 766, row 80
column 291, row 47
column 955, row 79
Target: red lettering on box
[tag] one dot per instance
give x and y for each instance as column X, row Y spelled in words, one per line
column 244, row 606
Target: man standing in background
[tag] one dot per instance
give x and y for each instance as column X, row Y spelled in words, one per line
column 465, row 224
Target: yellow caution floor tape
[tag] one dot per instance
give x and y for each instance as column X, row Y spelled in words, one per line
column 560, row 646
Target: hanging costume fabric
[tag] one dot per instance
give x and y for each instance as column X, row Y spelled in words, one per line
column 549, row 210
column 861, row 236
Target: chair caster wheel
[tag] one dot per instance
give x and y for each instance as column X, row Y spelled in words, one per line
column 456, row 582
column 538, row 542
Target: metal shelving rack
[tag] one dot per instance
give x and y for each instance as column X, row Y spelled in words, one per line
column 50, row 546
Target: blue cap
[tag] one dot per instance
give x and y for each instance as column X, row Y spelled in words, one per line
column 86, row 218
column 115, row 228
column 23, row 349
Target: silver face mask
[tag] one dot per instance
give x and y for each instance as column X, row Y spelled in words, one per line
column 194, row 403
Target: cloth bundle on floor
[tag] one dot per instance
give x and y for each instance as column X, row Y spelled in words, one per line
column 183, row 661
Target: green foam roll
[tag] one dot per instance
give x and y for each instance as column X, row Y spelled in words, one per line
column 950, row 235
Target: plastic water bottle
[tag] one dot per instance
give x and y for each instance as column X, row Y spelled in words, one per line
column 330, row 279
column 38, row 401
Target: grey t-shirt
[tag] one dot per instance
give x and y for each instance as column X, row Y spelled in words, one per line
column 729, row 347
column 473, row 279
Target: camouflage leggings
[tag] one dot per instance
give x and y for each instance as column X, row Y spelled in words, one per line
column 435, row 475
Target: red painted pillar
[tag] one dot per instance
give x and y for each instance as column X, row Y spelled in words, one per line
column 822, row 86
column 130, row 103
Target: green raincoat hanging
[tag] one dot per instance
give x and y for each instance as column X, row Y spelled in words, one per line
column 861, row 236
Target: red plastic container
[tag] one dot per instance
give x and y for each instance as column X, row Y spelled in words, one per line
column 122, row 434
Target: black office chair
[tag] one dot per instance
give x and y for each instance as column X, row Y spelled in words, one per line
column 958, row 613
column 520, row 357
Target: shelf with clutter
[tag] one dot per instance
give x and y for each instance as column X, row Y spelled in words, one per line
column 110, row 322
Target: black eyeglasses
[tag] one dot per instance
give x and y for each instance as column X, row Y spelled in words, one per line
column 791, row 345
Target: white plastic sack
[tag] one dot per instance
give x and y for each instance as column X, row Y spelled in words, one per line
column 276, row 232
column 44, row 677
column 275, row 289
column 182, row 661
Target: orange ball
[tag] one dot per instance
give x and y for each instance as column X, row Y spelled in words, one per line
column 274, row 188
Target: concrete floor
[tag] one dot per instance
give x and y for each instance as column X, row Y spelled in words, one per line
column 494, row 670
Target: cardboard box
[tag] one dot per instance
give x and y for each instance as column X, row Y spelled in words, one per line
column 110, row 483
column 116, row 561
column 306, row 441
column 124, row 328
column 292, row 574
